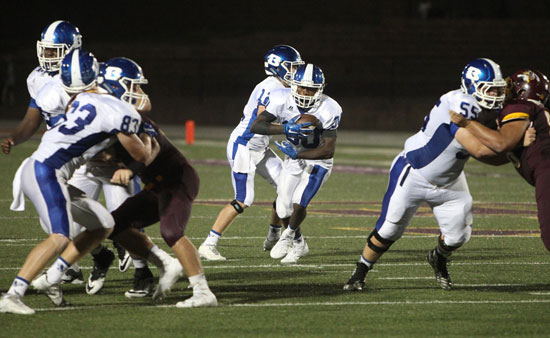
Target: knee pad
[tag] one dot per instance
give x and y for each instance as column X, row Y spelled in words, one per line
column 445, row 247
column 237, row 206
column 375, row 247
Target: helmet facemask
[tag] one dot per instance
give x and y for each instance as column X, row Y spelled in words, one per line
column 133, row 94
column 290, row 68
column 306, row 101
column 50, row 63
column 486, row 99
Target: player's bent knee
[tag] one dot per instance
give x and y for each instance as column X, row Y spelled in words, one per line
column 60, row 241
column 451, row 243
column 171, row 235
column 237, row 206
column 379, row 248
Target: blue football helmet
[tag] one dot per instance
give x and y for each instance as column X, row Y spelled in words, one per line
column 79, row 71
column 308, row 76
column 281, row 61
column 57, row 39
column 479, row 77
column 122, row 78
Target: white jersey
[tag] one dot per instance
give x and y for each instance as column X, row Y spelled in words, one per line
column 433, row 151
column 260, row 96
column 327, row 111
column 36, row 81
column 91, row 120
column 52, row 100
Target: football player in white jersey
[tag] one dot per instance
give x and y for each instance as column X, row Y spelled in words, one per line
column 57, row 39
column 48, row 99
column 122, row 78
column 92, row 122
column 249, row 154
column 309, row 159
column 430, row 170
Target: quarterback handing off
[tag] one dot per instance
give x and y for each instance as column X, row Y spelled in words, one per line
column 310, row 152
column 249, row 154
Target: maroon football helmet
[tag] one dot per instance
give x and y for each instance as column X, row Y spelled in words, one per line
column 527, row 84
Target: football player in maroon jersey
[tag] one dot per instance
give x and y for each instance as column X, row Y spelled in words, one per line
column 528, row 93
column 171, row 185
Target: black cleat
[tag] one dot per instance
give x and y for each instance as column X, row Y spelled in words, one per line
column 143, row 284
column 439, row 264
column 102, row 262
column 357, row 280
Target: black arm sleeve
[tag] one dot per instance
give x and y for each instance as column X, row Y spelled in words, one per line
column 329, row 133
column 262, row 125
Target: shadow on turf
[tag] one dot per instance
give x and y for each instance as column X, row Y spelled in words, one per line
column 505, row 288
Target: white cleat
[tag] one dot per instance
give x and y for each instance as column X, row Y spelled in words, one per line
column 200, row 299
column 210, row 253
column 297, row 251
column 169, row 275
column 124, row 262
column 94, row 285
column 282, row 247
column 53, row 291
column 14, row 304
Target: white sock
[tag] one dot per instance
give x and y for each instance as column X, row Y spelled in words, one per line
column 198, row 283
column 274, row 232
column 288, row 232
column 57, row 270
column 139, row 263
column 19, row 286
column 213, row 237
column 369, row 264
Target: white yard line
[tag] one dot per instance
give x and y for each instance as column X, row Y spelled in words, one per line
column 218, row 266
column 319, row 304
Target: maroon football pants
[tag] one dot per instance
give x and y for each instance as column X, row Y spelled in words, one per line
column 170, row 204
column 542, row 192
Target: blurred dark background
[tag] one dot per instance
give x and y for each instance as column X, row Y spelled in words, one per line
column 386, row 62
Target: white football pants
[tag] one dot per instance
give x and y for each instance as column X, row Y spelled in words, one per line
column 299, row 181
column 245, row 163
column 407, row 190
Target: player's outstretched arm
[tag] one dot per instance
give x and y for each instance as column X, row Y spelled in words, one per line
column 477, row 149
column 503, row 140
column 26, row 128
column 138, row 149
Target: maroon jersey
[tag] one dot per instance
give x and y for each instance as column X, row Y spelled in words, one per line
column 171, row 185
column 527, row 159
column 169, row 165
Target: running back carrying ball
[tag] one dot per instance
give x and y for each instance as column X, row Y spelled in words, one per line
column 311, row 119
